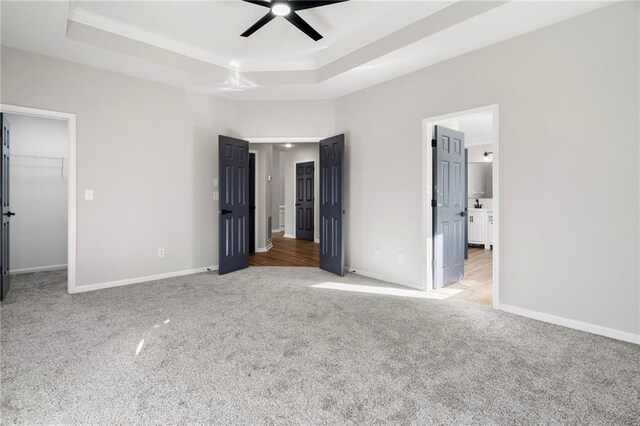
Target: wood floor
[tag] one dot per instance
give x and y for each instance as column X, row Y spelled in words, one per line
column 477, row 285
column 288, row 252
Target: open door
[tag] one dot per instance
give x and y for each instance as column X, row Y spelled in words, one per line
column 6, row 211
column 332, row 204
column 233, row 170
column 449, row 213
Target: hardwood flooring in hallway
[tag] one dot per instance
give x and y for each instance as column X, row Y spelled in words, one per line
column 288, row 252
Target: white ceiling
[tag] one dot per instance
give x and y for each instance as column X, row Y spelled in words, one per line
column 197, row 45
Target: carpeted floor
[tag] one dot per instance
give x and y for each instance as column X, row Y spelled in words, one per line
column 263, row 347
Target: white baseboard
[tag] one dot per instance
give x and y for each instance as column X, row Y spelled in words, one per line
column 282, row 228
column 577, row 325
column 118, row 283
column 290, row 236
column 37, row 269
column 317, row 241
column 264, row 249
column 356, row 271
column 275, row 231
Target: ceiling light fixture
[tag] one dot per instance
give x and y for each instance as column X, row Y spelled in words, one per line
column 288, row 145
column 486, row 158
column 280, row 9
column 288, row 9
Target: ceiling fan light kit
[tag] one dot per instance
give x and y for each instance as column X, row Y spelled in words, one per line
column 287, row 10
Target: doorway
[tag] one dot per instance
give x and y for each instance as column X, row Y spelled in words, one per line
column 287, row 186
column 40, row 175
column 290, row 213
column 479, row 277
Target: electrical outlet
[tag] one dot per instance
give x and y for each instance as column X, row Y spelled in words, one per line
column 215, row 182
column 215, row 195
column 376, row 253
column 88, row 194
column 160, row 252
column 400, row 257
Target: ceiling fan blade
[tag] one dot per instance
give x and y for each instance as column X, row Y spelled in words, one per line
column 310, row 4
column 261, row 23
column 263, row 3
column 302, row 25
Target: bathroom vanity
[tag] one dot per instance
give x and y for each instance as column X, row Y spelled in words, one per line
column 480, row 227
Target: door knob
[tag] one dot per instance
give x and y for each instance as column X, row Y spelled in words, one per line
column 463, row 214
column 298, row 204
column 226, row 211
column 9, row 214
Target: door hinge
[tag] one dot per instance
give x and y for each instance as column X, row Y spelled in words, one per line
column 434, row 203
column 433, row 143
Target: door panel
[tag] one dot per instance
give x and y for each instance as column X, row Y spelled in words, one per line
column 304, row 200
column 6, row 212
column 449, row 211
column 233, row 159
column 332, row 204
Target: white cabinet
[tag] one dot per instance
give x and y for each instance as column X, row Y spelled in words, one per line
column 480, row 227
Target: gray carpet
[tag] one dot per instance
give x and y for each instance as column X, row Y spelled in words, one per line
column 262, row 347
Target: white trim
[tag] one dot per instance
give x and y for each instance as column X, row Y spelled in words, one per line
column 360, row 272
column 295, row 182
column 279, row 140
column 37, row 269
column 128, row 281
column 72, row 193
column 273, row 231
column 576, row 325
column 264, row 249
column 317, row 240
column 427, row 190
column 289, row 236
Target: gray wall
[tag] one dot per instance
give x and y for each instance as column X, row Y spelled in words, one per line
column 277, row 187
column 38, row 193
column 264, row 164
column 147, row 150
column 569, row 225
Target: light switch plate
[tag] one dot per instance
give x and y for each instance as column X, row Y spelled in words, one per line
column 215, row 182
column 400, row 257
column 88, row 194
column 376, row 253
column 215, row 195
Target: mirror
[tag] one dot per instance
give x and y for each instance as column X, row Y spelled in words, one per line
column 480, row 180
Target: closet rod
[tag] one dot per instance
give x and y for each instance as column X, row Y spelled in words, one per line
column 44, row 157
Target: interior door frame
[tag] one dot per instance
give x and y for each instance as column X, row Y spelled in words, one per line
column 72, row 229
column 315, row 196
column 427, row 191
column 258, row 209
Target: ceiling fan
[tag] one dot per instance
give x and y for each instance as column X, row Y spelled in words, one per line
column 288, row 9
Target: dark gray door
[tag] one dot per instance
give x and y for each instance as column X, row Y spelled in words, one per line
column 252, row 203
column 233, row 169
column 332, row 204
column 304, row 201
column 6, row 212
column 449, row 215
